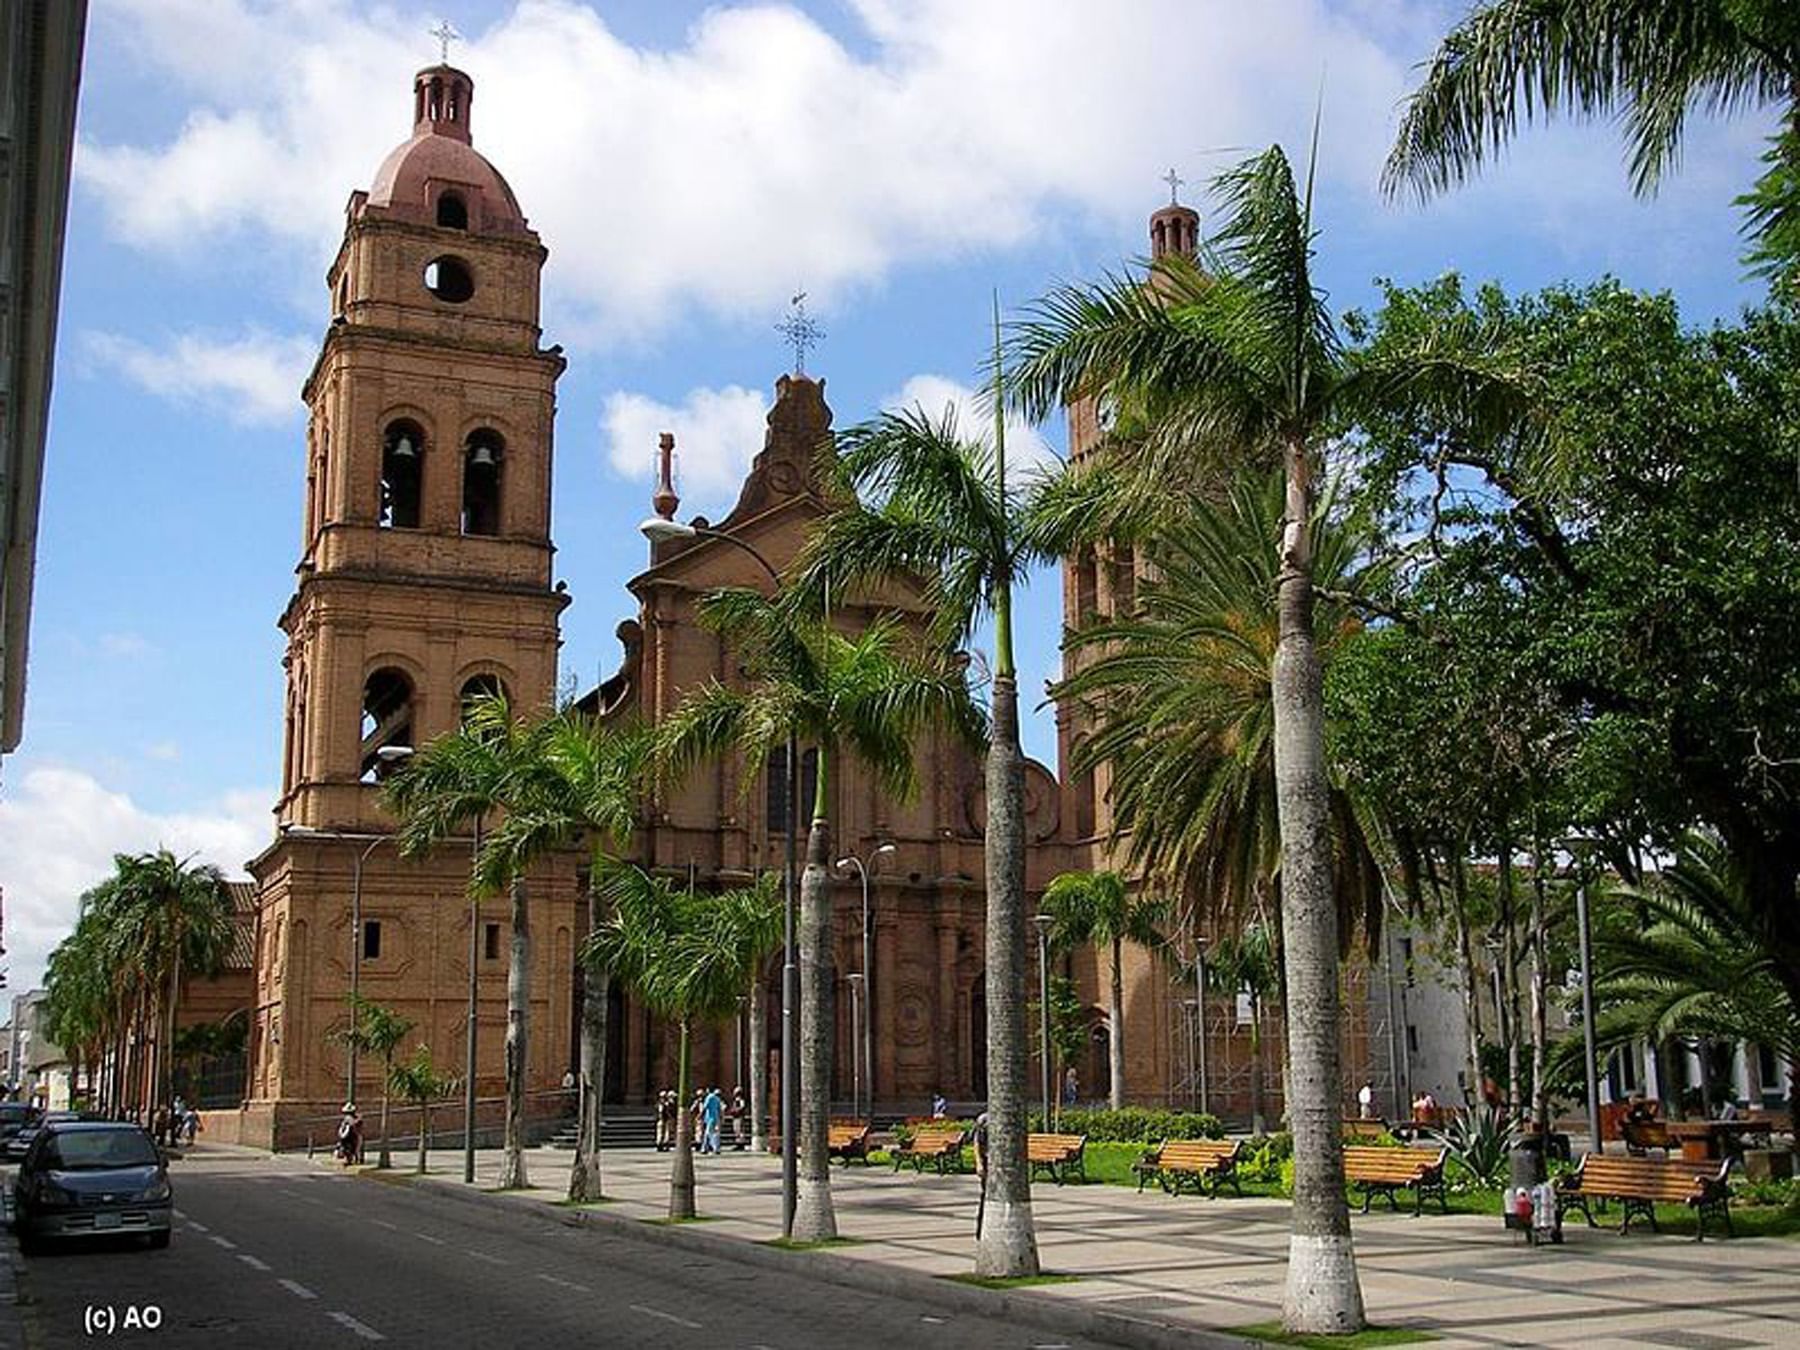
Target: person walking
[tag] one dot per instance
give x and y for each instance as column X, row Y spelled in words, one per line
column 665, row 1120
column 191, row 1122
column 349, row 1135
column 1071, row 1088
column 738, row 1113
column 1365, row 1099
column 711, row 1110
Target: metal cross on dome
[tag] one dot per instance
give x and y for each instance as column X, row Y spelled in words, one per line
column 1175, row 182
column 800, row 331
column 445, row 35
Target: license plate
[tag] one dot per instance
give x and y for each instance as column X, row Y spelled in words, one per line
column 106, row 1220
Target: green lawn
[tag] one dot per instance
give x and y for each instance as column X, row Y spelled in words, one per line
column 1271, row 1333
column 1012, row 1281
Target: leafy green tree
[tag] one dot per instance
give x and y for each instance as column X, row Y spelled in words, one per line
column 1236, row 360
column 1600, row 563
column 1101, row 908
column 860, row 695
column 81, row 1011
column 690, row 957
column 377, row 1030
column 581, row 782
column 417, row 1080
column 929, row 506
column 451, row 785
column 1650, row 61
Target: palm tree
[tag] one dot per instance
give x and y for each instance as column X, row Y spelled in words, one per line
column 418, row 1081
column 690, row 957
column 1512, row 61
column 169, row 917
column 1182, row 700
column 857, row 695
column 453, row 784
column 1101, row 908
column 1246, row 963
column 936, row 510
column 1237, row 363
column 583, row 785
column 377, row 1030
column 1679, row 956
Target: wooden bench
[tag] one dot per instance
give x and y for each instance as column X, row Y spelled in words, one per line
column 939, row 1145
column 1387, row 1170
column 1643, row 1135
column 848, row 1139
column 1638, row 1184
column 1369, row 1130
column 1057, row 1154
column 1205, row 1164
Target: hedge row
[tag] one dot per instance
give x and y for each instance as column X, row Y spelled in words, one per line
column 1135, row 1125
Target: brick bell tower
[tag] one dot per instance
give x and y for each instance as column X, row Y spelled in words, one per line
column 424, row 578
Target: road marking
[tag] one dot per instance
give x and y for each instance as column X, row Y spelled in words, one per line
column 297, row 1289
column 224, row 1242
column 566, row 1284
column 934, row 1321
column 383, row 1223
column 197, row 1226
column 178, row 1214
column 345, row 1320
column 665, row 1316
column 483, row 1256
column 252, row 1262
column 426, row 1237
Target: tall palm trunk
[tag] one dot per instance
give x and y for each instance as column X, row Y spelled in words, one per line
column 1115, row 1031
column 1509, row 981
column 165, row 1051
column 681, row 1170
column 1540, row 1000
column 596, row 990
column 1323, row 1294
column 424, row 1134
column 1007, row 1244
column 1466, row 956
column 518, row 1017
column 814, row 1218
column 758, row 1014
column 383, row 1156
column 1258, row 1124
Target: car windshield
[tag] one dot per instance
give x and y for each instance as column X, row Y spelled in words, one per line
column 11, row 1113
column 97, row 1150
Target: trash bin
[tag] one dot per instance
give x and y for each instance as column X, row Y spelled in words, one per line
column 1527, row 1161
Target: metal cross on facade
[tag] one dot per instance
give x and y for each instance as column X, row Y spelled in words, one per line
column 1175, row 183
column 445, row 35
column 800, row 331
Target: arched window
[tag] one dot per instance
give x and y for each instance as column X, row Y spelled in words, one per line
column 449, row 279
column 402, row 455
column 1087, row 586
column 387, row 722
column 483, row 458
column 453, row 211
column 478, row 687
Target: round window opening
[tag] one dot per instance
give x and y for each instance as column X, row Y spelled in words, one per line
column 449, row 280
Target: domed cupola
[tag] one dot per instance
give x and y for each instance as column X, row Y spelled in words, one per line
column 438, row 177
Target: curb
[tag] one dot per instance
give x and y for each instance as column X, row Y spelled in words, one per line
column 1067, row 1318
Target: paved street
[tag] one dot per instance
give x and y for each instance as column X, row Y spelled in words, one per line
column 273, row 1253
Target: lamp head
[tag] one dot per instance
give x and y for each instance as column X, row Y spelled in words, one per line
column 660, row 531
column 394, row 754
column 1043, row 922
column 886, row 848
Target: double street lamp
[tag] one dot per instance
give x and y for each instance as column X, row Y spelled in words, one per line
column 659, row 530
column 868, row 979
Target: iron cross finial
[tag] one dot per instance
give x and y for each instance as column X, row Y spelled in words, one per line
column 1175, row 182
column 800, row 331
column 445, row 35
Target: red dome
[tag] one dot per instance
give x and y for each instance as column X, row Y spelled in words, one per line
column 440, row 162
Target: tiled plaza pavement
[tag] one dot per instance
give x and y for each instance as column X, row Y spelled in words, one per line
column 1190, row 1261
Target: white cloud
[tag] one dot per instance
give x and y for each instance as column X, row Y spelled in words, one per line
column 759, row 152
column 717, row 433
column 255, row 379
column 167, row 751
column 59, row 830
column 126, row 646
column 1025, row 447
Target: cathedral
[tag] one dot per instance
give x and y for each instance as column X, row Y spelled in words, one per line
column 424, row 578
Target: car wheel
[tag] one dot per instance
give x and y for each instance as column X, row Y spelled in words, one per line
column 159, row 1240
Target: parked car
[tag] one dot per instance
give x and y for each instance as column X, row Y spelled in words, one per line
column 14, row 1117
column 19, row 1145
column 92, row 1178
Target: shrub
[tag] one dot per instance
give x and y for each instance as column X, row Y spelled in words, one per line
column 1265, row 1157
column 1136, row 1125
column 1480, row 1142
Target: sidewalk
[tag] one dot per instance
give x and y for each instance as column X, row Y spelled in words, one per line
column 1156, row 1269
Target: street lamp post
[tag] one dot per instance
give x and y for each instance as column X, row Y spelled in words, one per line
column 1587, row 1022
column 1043, row 922
column 868, row 968
column 855, row 982
column 474, row 1005
column 659, row 530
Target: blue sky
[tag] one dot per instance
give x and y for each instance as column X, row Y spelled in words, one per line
column 688, row 167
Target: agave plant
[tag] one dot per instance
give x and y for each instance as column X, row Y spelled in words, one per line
column 1480, row 1139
